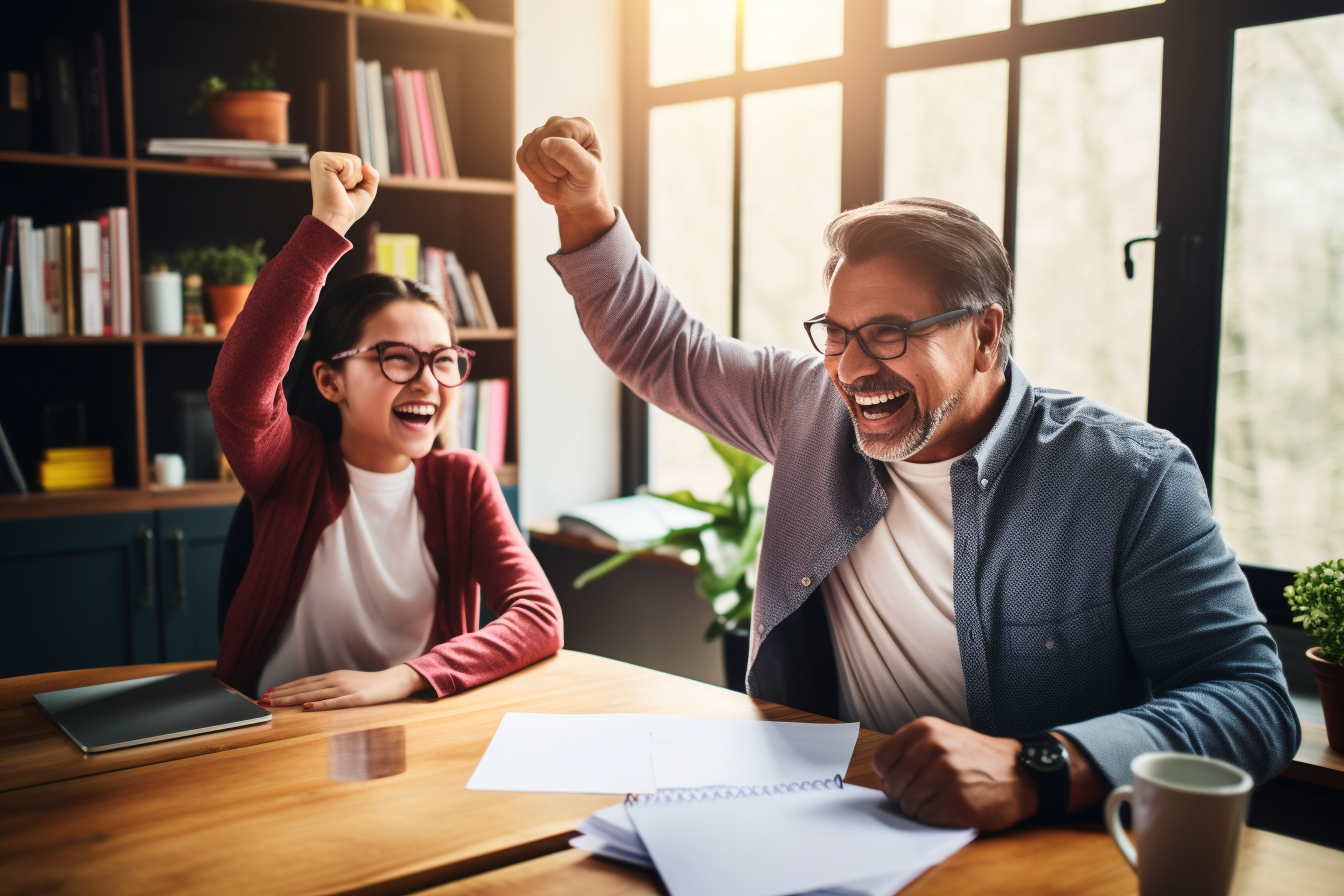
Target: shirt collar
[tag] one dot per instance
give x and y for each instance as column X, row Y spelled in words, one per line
column 998, row 445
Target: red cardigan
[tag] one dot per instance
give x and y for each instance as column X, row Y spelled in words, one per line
column 298, row 486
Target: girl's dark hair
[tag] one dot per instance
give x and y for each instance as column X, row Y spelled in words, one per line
column 336, row 326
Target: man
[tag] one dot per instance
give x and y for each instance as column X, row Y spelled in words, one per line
column 1026, row 589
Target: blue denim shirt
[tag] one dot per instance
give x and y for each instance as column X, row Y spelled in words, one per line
column 1094, row 594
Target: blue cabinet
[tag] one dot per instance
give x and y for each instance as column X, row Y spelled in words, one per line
column 110, row 590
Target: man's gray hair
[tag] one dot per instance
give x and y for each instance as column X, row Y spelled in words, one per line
column 967, row 258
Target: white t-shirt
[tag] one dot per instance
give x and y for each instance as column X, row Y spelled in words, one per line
column 368, row 600
column 890, row 605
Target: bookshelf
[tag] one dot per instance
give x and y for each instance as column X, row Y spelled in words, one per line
column 158, row 52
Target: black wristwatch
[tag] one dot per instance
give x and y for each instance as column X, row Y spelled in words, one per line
column 1047, row 761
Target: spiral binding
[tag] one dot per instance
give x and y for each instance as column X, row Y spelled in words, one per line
column 732, row 792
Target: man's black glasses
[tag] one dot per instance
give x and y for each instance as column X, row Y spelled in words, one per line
column 880, row 341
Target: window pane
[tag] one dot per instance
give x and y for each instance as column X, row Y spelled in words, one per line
column 1049, row 10
column 1087, row 182
column 1279, row 452
column 790, row 191
column 947, row 136
column 691, row 39
column 691, row 247
column 783, row 32
column 917, row 21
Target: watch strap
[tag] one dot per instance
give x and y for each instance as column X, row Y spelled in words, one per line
column 1053, row 784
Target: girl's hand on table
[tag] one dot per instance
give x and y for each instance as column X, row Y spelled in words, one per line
column 343, row 188
column 345, row 687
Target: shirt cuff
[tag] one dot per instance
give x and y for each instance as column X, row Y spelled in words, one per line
column 585, row 269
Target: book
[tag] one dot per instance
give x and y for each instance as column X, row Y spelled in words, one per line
column 393, row 126
column 64, row 469
column 457, row 276
column 89, row 262
column 413, row 131
column 442, row 134
column 466, row 422
column 105, row 272
column 498, row 425
column 121, row 270
column 94, row 133
column 377, row 117
column 51, row 282
column 69, row 301
column 62, row 96
column 201, row 147
column 480, row 437
column 7, row 248
column 362, row 110
column 625, row 524
column 429, row 146
column 29, row 268
column 398, row 254
column 487, row 313
column 16, row 122
column 403, row 124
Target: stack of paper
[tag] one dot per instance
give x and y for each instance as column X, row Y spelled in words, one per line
column 228, row 149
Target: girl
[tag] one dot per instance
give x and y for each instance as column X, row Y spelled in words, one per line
column 369, row 547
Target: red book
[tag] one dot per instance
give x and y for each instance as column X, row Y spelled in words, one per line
column 426, row 125
column 105, row 270
column 499, row 423
column 404, row 132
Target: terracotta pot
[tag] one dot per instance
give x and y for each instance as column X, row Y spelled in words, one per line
column 226, row 302
column 1330, row 682
column 250, row 115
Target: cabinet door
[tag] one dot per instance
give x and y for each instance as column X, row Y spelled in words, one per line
column 77, row 592
column 191, row 544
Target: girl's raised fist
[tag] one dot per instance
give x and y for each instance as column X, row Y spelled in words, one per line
column 343, row 188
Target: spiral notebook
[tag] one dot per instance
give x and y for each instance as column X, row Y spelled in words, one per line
column 815, row 837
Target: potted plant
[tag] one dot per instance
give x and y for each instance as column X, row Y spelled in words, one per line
column 228, row 274
column 1317, row 597
column 254, row 110
column 727, row 547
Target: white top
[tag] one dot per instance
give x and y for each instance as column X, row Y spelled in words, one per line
column 890, row 605
column 368, row 601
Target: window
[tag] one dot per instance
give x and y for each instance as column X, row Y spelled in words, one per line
column 1074, row 128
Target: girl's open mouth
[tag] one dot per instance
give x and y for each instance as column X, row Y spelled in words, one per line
column 416, row 415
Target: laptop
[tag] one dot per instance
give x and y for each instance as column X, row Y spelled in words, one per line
column 120, row 714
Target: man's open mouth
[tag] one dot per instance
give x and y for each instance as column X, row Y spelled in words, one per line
column 879, row 405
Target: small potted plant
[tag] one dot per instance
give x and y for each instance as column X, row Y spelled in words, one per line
column 727, row 547
column 1317, row 597
column 253, row 110
column 228, row 274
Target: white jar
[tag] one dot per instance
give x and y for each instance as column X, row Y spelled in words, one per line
column 161, row 302
column 170, row 470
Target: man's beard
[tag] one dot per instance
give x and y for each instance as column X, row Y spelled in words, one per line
column 913, row 440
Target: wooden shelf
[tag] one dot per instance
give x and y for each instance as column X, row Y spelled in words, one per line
column 67, row 340
column 36, row 505
column 289, row 174
column 480, row 27
column 51, row 158
column 471, row 334
column 480, row 185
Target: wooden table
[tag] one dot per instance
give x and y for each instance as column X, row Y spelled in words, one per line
column 255, row 811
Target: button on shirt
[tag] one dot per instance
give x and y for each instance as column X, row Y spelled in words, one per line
column 890, row 605
column 368, row 600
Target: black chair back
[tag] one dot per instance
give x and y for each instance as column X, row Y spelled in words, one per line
column 237, row 554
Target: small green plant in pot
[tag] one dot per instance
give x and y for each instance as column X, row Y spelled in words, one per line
column 727, row 546
column 228, row 274
column 253, row 110
column 1317, row 598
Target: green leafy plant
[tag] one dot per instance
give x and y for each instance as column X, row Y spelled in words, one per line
column 209, row 87
column 1317, row 597
column 221, row 267
column 257, row 76
column 727, row 545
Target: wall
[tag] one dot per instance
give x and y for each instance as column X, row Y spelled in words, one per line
column 568, row 63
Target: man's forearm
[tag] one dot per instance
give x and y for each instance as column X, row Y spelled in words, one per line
column 582, row 227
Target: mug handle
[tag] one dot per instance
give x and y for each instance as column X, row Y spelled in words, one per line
column 1120, row 795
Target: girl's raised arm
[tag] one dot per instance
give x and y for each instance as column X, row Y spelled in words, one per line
column 246, row 400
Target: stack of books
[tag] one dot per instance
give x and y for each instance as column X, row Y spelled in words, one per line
column 403, row 122
column 66, row 279
column 64, row 469
column 253, row 154
column 461, row 292
column 483, row 419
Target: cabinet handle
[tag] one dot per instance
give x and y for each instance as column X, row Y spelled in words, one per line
column 179, row 540
column 146, row 536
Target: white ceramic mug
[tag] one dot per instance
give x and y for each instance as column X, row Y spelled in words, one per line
column 170, row 470
column 161, row 302
column 1188, row 815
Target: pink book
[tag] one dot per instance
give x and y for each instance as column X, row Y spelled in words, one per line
column 499, row 423
column 426, row 125
column 399, row 88
column 105, row 271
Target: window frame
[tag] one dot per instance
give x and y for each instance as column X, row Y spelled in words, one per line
column 1197, row 64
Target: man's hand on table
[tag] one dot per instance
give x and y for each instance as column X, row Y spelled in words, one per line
column 945, row 774
column 345, row 687
column 563, row 160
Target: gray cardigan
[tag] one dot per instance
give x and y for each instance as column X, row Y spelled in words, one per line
column 1094, row 594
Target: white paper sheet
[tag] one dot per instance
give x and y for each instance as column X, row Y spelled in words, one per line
column 694, row 752
column 639, row 753
column 787, row 844
column 605, row 753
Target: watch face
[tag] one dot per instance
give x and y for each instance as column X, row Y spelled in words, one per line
column 1044, row 755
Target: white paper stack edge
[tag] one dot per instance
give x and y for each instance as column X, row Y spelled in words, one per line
column 228, row 149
